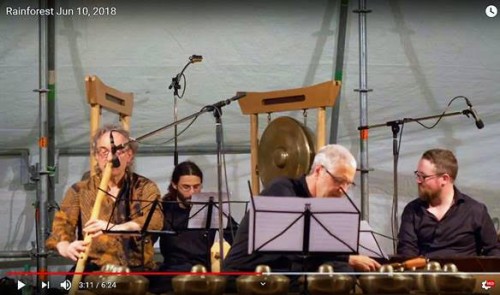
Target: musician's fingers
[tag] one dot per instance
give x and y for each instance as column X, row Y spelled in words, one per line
column 96, row 234
column 79, row 247
column 92, row 228
column 95, row 225
column 74, row 256
column 373, row 265
column 90, row 222
column 68, row 254
column 75, row 250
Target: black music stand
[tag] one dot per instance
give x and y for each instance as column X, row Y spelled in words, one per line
column 144, row 232
column 303, row 226
column 368, row 244
column 204, row 214
column 205, row 210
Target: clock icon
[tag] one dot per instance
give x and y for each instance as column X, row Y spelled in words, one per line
column 491, row 11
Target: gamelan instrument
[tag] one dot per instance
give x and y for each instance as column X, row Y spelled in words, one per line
column 456, row 275
column 263, row 284
column 286, row 146
column 441, row 280
column 409, row 277
column 198, row 283
column 121, row 283
column 392, row 283
column 326, row 282
column 286, row 149
column 432, row 279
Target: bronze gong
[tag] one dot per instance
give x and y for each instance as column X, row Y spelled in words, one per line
column 286, row 148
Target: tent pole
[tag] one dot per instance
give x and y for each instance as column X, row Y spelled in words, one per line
column 43, row 180
column 339, row 65
column 363, row 108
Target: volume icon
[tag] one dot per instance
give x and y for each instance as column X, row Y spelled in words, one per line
column 66, row 285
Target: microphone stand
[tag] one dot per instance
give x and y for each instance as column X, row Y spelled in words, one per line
column 217, row 112
column 176, row 86
column 205, row 109
column 176, row 153
column 395, row 128
column 216, row 109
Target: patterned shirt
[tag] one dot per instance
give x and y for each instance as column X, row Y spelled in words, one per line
column 133, row 203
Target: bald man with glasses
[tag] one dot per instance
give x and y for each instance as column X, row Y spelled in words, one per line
column 443, row 221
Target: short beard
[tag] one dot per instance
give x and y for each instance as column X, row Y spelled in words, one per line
column 184, row 201
column 428, row 196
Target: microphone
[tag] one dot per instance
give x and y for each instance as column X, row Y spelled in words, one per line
column 226, row 102
column 479, row 122
column 114, row 161
column 175, row 80
column 125, row 144
column 196, row 58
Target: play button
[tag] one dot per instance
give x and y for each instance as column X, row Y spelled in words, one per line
column 20, row 285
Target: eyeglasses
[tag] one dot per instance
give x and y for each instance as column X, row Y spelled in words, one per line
column 187, row 187
column 103, row 152
column 422, row 177
column 340, row 181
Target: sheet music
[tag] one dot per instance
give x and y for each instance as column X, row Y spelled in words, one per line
column 277, row 224
column 199, row 210
column 368, row 244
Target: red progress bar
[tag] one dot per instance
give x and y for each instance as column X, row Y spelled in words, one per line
column 151, row 273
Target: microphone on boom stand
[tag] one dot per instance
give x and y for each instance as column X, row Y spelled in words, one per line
column 176, row 86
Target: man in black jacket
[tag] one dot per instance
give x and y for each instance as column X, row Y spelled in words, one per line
column 332, row 173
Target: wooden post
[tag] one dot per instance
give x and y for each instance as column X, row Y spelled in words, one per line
column 100, row 96
column 316, row 96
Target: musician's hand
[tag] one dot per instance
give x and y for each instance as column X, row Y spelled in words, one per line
column 363, row 263
column 94, row 227
column 71, row 250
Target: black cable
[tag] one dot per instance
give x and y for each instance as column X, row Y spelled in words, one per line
column 183, row 88
column 393, row 207
column 442, row 114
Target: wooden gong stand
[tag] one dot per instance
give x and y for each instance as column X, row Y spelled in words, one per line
column 317, row 96
column 100, row 96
